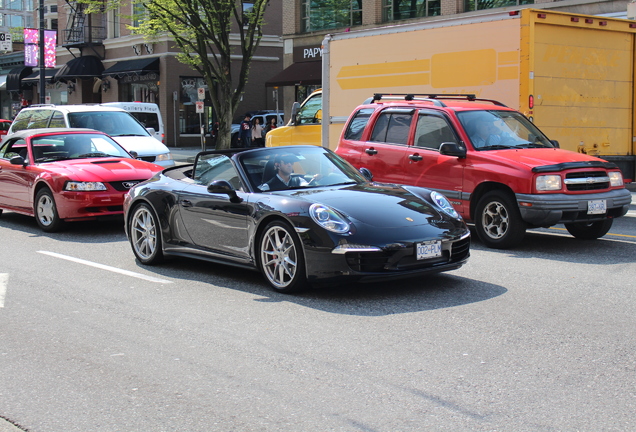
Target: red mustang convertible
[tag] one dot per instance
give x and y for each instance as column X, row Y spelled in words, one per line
column 60, row 175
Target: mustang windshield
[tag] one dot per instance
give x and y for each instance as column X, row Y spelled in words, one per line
column 297, row 167
column 51, row 148
column 495, row 130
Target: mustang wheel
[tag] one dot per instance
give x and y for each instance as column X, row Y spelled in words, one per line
column 589, row 230
column 145, row 236
column 498, row 221
column 46, row 211
column 281, row 258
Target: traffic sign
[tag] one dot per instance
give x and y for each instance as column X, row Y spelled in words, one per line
column 199, row 107
column 5, row 42
column 201, row 93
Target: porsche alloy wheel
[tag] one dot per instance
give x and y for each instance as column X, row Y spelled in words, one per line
column 145, row 237
column 498, row 221
column 46, row 211
column 281, row 258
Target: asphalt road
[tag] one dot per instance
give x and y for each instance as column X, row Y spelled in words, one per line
column 540, row 338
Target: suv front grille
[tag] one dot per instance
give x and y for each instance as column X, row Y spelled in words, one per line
column 147, row 158
column 586, row 181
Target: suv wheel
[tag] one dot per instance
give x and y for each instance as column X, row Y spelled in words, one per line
column 589, row 230
column 498, row 221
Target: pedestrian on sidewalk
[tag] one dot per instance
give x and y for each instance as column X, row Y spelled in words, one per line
column 245, row 132
column 258, row 133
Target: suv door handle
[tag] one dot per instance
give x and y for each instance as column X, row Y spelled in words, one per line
column 415, row 157
column 371, row 151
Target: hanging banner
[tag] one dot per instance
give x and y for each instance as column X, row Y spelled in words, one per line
column 32, row 47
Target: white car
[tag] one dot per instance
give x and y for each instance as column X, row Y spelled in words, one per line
column 116, row 122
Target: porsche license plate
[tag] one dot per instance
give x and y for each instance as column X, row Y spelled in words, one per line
column 429, row 249
column 596, row 207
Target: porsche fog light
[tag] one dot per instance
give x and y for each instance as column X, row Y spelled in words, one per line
column 328, row 218
column 75, row 186
column 548, row 183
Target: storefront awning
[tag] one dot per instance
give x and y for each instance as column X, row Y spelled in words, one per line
column 305, row 73
column 84, row 67
column 15, row 77
column 34, row 78
column 133, row 67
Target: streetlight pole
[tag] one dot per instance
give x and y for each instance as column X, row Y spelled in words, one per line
column 41, row 47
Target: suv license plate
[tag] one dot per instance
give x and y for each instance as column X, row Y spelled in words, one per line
column 429, row 249
column 596, row 207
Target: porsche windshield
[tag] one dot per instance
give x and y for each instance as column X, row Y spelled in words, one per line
column 494, row 130
column 295, row 167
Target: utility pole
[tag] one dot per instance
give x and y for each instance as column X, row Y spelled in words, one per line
column 42, row 66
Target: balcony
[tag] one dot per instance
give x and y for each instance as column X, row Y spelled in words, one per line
column 82, row 36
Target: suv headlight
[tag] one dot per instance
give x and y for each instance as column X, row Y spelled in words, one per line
column 76, row 186
column 329, row 219
column 616, row 178
column 442, row 202
column 164, row 157
column 548, row 182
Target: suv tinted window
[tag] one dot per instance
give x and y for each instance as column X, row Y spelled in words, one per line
column 431, row 131
column 57, row 120
column 392, row 126
column 39, row 118
column 358, row 123
column 21, row 121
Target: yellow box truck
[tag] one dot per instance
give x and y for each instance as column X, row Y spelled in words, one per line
column 571, row 74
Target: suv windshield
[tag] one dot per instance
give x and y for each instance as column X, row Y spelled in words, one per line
column 494, row 130
column 114, row 123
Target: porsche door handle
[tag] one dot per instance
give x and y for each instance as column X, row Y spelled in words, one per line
column 186, row 203
column 415, row 157
column 371, row 151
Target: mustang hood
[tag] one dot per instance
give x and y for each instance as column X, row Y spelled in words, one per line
column 105, row 169
column 367, row 203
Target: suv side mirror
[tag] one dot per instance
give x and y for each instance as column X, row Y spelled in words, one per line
column 294, row 113
column 452, row 149
column 224, row 187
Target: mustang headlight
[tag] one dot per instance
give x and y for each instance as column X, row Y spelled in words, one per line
column 329, row 219
column 77, row 186
column 164, row 157
column 441, row 202
column 548, row 182
column 616, row 178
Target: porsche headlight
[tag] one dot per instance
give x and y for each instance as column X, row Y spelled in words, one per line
column 329, row 219
column 548, row 182
column 164, row 157
column 616, row 178
column 441, row 202
column 77, row 186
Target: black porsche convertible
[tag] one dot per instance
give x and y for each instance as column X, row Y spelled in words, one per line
column 299, row 214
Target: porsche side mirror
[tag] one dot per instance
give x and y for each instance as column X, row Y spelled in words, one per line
column 452, row 149
column 366, row 173
column 224, row 187
column 17, row 160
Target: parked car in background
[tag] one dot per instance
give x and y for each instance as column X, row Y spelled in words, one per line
column 333, row 225
column 148, row 115
column 116, row 122
column 4, row 127
column 496, row 167
column 61, row 174
column 264, row 116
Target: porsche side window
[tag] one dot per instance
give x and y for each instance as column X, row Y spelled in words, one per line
column 432, row 131
column 357, row 124
column 216, row 167
column 392, row 127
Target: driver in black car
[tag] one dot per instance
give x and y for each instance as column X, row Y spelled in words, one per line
column 284, row 167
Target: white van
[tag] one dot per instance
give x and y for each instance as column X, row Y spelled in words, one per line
column 147, row 113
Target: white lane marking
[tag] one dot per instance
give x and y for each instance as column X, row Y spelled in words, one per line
column 4, row 281
column 105, row 267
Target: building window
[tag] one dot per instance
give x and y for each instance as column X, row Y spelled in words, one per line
column 114, row 23
column 472, row 5
column 395, row 10
column 317, row 15
column 139, row 13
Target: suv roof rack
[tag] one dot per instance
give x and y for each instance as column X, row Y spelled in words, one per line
column 429, row 97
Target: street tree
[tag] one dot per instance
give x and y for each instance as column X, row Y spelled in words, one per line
column 209, row 34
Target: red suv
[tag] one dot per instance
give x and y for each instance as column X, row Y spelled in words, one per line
column 497, row 169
